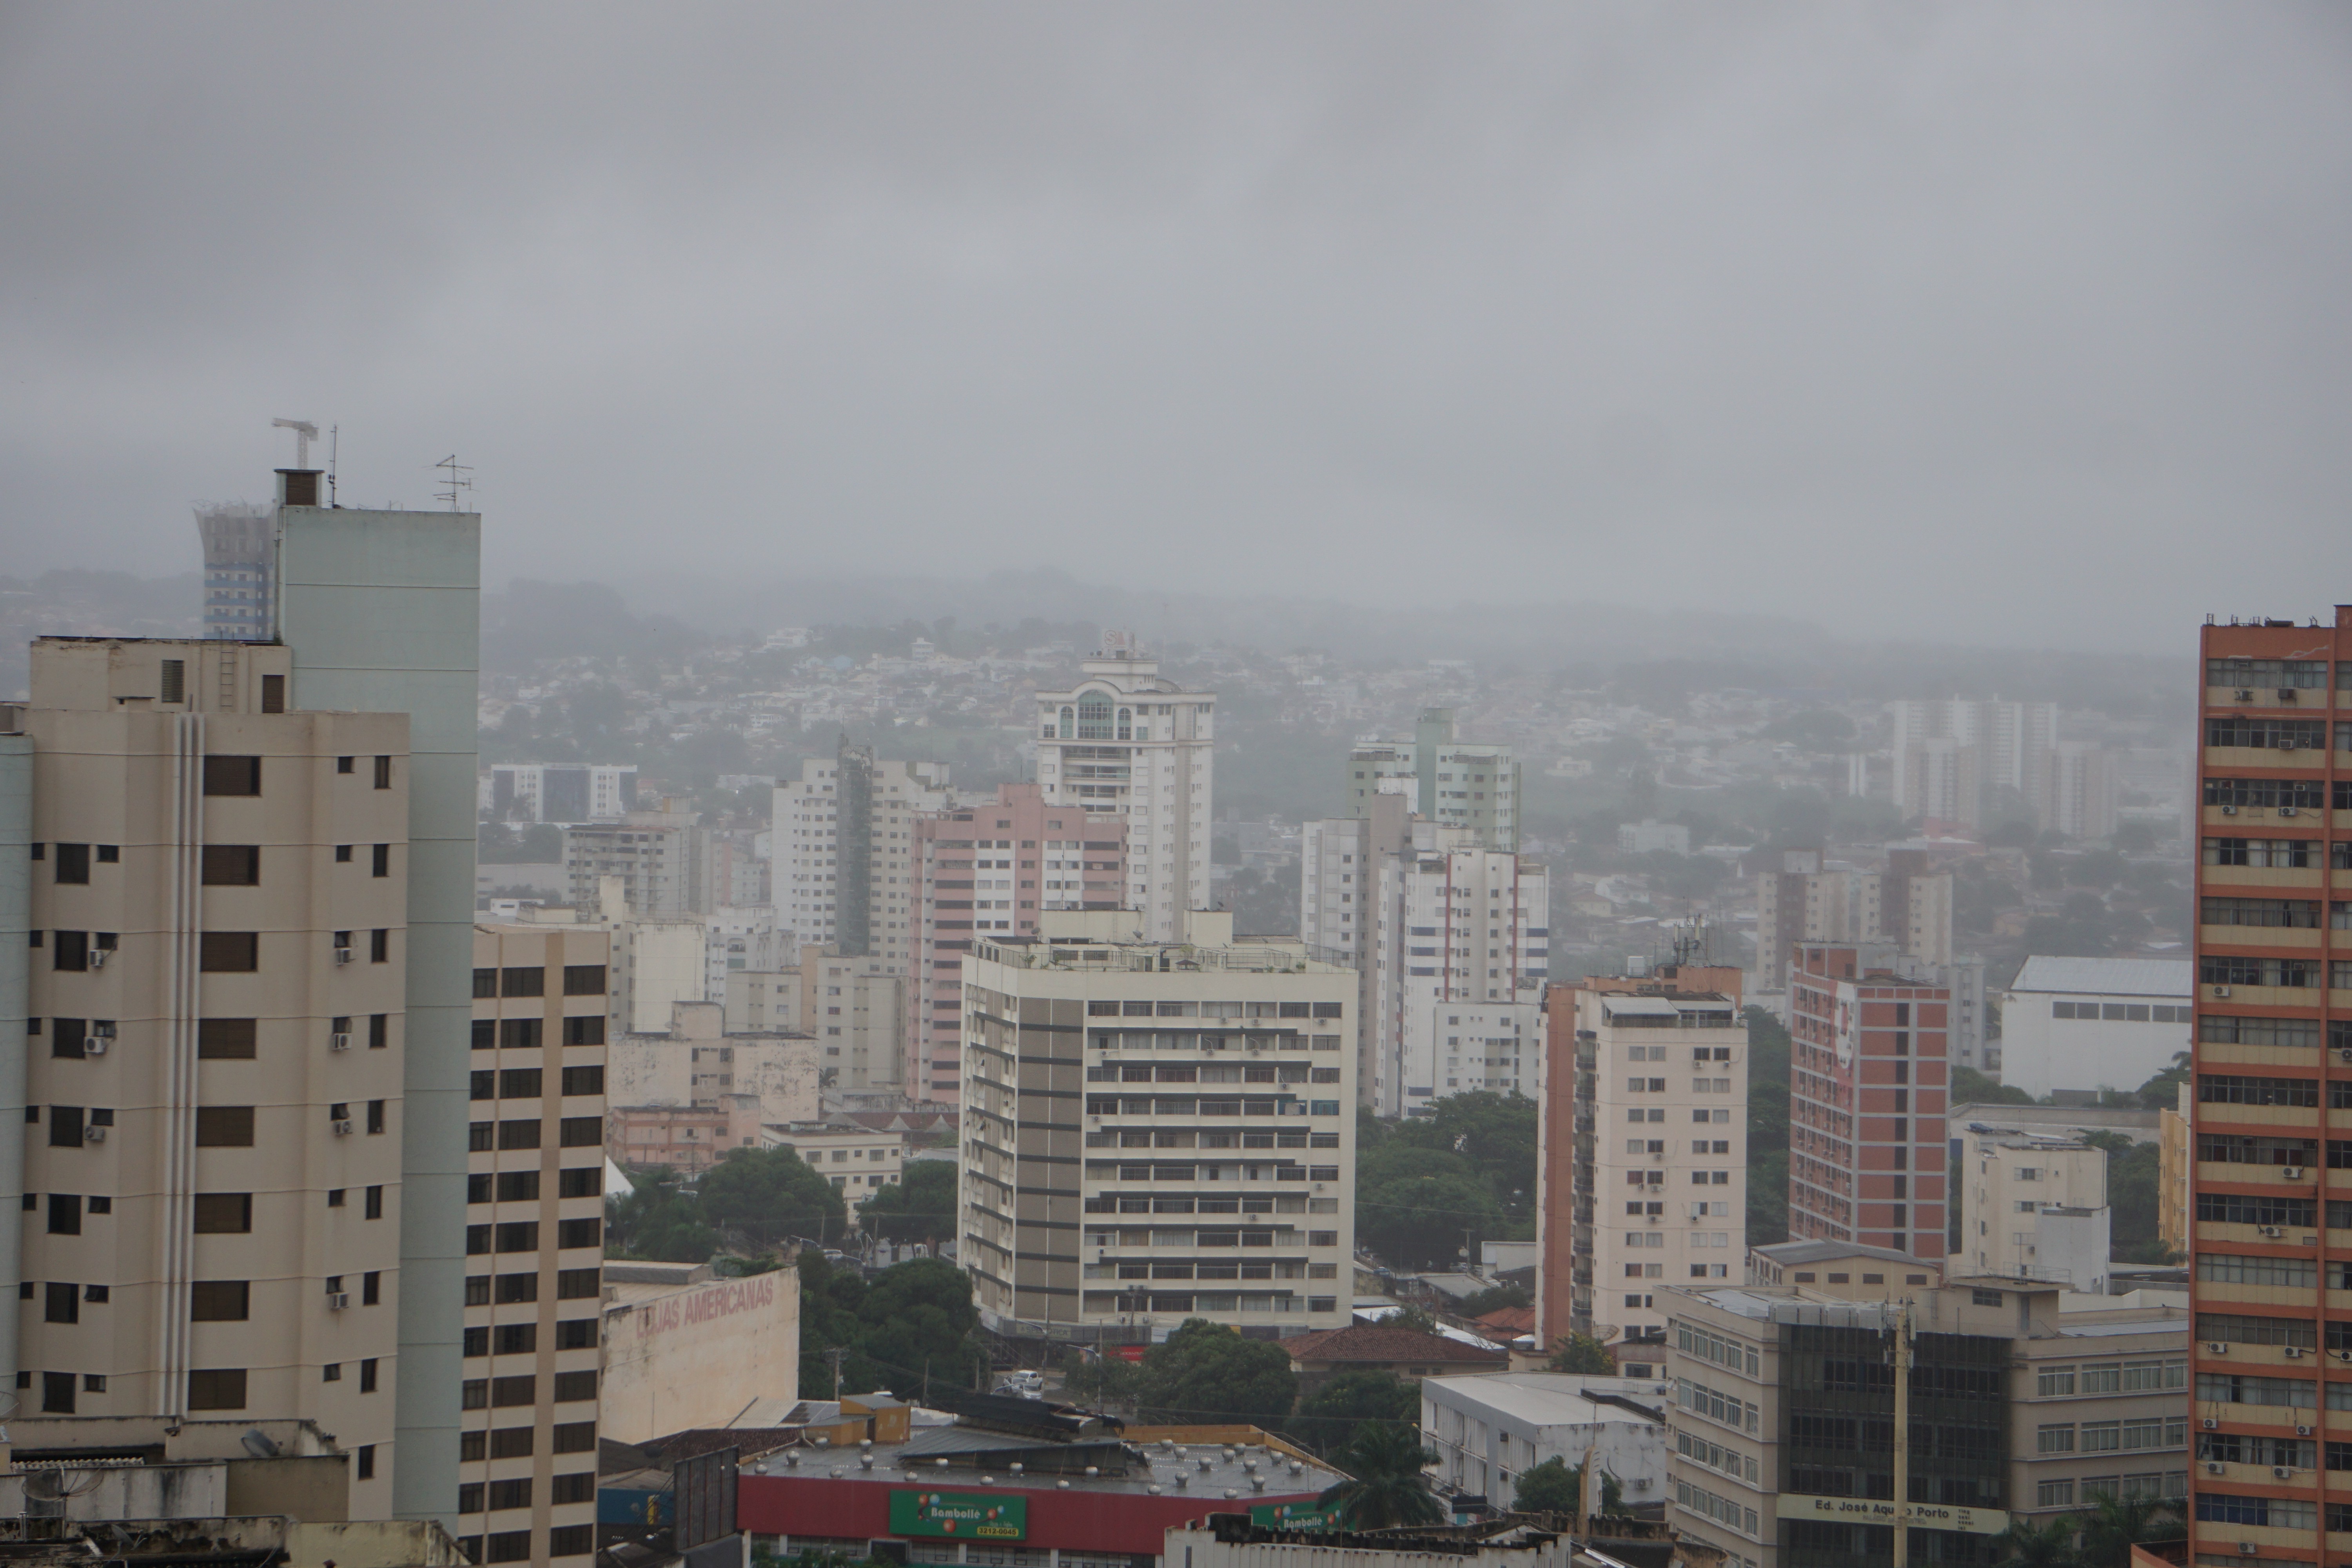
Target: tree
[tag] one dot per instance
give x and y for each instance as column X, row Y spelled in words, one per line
column 1328, row 1417
column 2025, row 1545
column 1091, row 1377
column 1493, row 1299
column 2116, row 1524
column 2162, row 1092
column 918, row 1319
column 1494, row 1135
column 1388, row 1484
column 657, row 1221
column 1205, row 1373
column 1970, row 1087
column 1767, row 1127
column 1412, row 1318
column 918, row 1206
column 1582, row 1353
column 1552, row 1488
column 768, row 1193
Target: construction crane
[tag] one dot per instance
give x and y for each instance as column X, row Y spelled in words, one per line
column 305, row 433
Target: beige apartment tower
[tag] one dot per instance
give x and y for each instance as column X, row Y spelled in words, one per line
column 534, row 1245
column 214, row 1030
column 1201, row 1095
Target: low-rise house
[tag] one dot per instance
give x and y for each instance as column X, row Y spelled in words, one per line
column 1410, row 1353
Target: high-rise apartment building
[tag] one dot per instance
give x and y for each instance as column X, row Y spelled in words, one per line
column 213, row 964
column 1127, row 742
column 240, row 542
column 562, row 793
column 1642, row 1159
column 661, row 857
column 842, row 852
column 1458, row 925
column 1451, row 781
column 2274, row 1071
column 1810, row 900
column 2018, row 1188
column 1339, row 903
column 1947, row 754
column 1213, row 1154
column 2076, row 791
column 988, row 869
column 534, row 1245
column 1867, row 1092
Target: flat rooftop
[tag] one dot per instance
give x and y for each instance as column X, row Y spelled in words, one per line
column 963, row 1457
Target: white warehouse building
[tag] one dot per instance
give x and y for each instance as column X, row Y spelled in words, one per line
column 2088, row 1024
column 1490, row 1429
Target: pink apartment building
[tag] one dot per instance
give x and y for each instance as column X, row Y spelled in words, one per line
column 990, row 869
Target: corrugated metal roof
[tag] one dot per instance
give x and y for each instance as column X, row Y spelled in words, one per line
column 2167, row 977
column 1639, row 1006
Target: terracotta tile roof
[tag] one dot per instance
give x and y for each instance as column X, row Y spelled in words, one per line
column 1513, row 1320
column 1375, row 1344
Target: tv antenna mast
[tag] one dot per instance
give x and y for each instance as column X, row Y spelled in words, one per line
column 305, row 432
column 456, row 481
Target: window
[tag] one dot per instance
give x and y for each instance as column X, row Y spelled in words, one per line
column 586, row 1232
column 486, row 982
column 72, row 861
column 65, row 1214
column 375, row 1116
column 68, row 950
column 519, row 1033
column 2300, row 914
column 2053, row 1494
column 230, row 865
column 518, row 1083
column 379, row 946
column 521, row 1132
column 65, row 1126
column 379, row 1031
column 583, row 1081
column 580, row 1437
column 577, row 1487
column 222, row 1214
column 579, row 1132
column 587, row 1031
column 224, row 1039
column 570, row 1386
column 62, row 1304
column 529, row 981
column 225, row 1126
column 380, row 861
column 57, row 1394
column 584, row 980
column 227, row 951
column 216, row 1388
column 383, row 773
column 219, row 1301
column 587, row 1284
column 517, row 1287
column 367, row 1375
column 374, row 1205
column 232, row 776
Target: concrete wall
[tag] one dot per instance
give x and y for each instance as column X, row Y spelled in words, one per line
column 696, row 1357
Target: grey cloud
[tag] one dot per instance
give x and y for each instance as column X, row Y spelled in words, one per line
column 1983, row 322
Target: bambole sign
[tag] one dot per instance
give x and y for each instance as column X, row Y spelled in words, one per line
column 974, row 1516
column 1873, row 1511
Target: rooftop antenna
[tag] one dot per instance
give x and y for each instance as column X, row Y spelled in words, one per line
column 334, row 446
column 304, row 434
column 456, row 480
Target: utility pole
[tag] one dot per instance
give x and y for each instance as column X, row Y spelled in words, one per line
column 835, row 1355
column 1903, row 1436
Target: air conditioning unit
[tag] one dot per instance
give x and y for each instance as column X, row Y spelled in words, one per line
column 340, row 1040
column 2283, row 1472
column 2302, row 1431
column 2212, row 1347
column 2220, row 993
column 2209, row 1422
column 2293, row 1353
column 2245, row 1549
column 2272, row 1230
column 342, row 956
column 2294, row 1173
column 2246, row 694
column 2216, row 1469
column 98, row 955
column 338, row 1300
column 93, row 1134
column 102, row 1034
column 2286, row 811
column 2228, row 811
column 342, row 1126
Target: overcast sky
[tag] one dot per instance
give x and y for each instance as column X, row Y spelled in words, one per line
column 1994, row 323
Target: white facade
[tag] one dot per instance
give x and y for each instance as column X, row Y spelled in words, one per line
column 1467, row 1046
column 1646, row 836
column 560, row 792
column 1490, row 1430
column 1456, row 926
column 2094, row 1023
column 1125, row 741
column 2076, row 790
column 809, row 864
column 738, row 938
column 1206, row 1114
column 1667, row 1195
column 2010, row 1178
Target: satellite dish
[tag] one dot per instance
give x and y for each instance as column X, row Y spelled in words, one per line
column 260, row 1444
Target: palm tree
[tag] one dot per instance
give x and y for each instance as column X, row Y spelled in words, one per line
column 1386, row 1460
column 2116, row 1524
column 2025, row 1545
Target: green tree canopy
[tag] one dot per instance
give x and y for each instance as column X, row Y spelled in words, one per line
column 1970, row 1087
column 1330, row 1416
column 915, row 1317
column 1387, row 1483
column 1767, row 1127
column 918, row 1206
column 769, row 1194
column 1493, row 1299
column 657, row 1221
column 1552, row 1488
column 1421, row 1222
column 1582, row 1353
column 1205, row 1373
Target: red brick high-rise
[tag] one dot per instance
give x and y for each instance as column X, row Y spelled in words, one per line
column 2271, row 1351
column 1868, row 1088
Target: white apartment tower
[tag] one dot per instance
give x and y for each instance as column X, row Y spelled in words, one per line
column 843, row 842
column 1458, row 927
column 1146, row 1142
column 1660, row 1190
column 1126, row 741
column 1339, row 901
